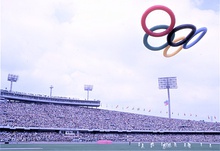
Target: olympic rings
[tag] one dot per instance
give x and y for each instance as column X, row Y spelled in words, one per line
column 170, row 32
column 175, row 52
column 156, row 7
column 153, row 29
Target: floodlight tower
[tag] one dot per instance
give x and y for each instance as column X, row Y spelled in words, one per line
column 51, row 87
column 88, row 88
column 168, row 83
column 12, row 78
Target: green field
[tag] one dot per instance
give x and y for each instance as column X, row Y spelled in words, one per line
column 104, row 147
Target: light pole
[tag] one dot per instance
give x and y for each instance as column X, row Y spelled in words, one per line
column 51, row 87
column 88, row 88
column 168, row 83
column 12, row 78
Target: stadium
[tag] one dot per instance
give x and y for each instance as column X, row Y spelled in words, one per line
column 122, row 48
column 30, row 118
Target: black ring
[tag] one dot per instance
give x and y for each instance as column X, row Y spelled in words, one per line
column 188, row 37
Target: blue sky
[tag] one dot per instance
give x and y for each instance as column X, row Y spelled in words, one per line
column 70, row 43
column 207, row 4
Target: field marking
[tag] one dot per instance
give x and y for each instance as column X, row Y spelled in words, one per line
column 20, row 148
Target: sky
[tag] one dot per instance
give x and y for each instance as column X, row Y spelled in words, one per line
column 72, row 43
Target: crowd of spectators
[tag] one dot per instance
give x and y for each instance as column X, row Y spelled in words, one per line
column 140, row 137
column 15, row 136
column 20, row 114
column 67, row 116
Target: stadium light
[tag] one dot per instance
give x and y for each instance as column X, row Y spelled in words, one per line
column 51, row 87
column 168, row 83
column 88, row 88
column 12, row 78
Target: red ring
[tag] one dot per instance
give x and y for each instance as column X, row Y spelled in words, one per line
column 156, row 7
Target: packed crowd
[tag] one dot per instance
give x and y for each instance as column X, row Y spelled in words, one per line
column 93, row 137
column 17, row 114
column 140, row 137
column 15, row 136
column 67, row 116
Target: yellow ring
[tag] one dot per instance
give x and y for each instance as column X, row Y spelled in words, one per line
column 175, row 52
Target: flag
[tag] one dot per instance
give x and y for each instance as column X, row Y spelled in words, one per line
column 166, row 102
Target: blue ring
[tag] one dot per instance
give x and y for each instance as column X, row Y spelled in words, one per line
column 153, row 29
column 188, row 37
column 203, row 30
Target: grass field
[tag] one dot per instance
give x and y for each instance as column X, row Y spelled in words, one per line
column 104, row 147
